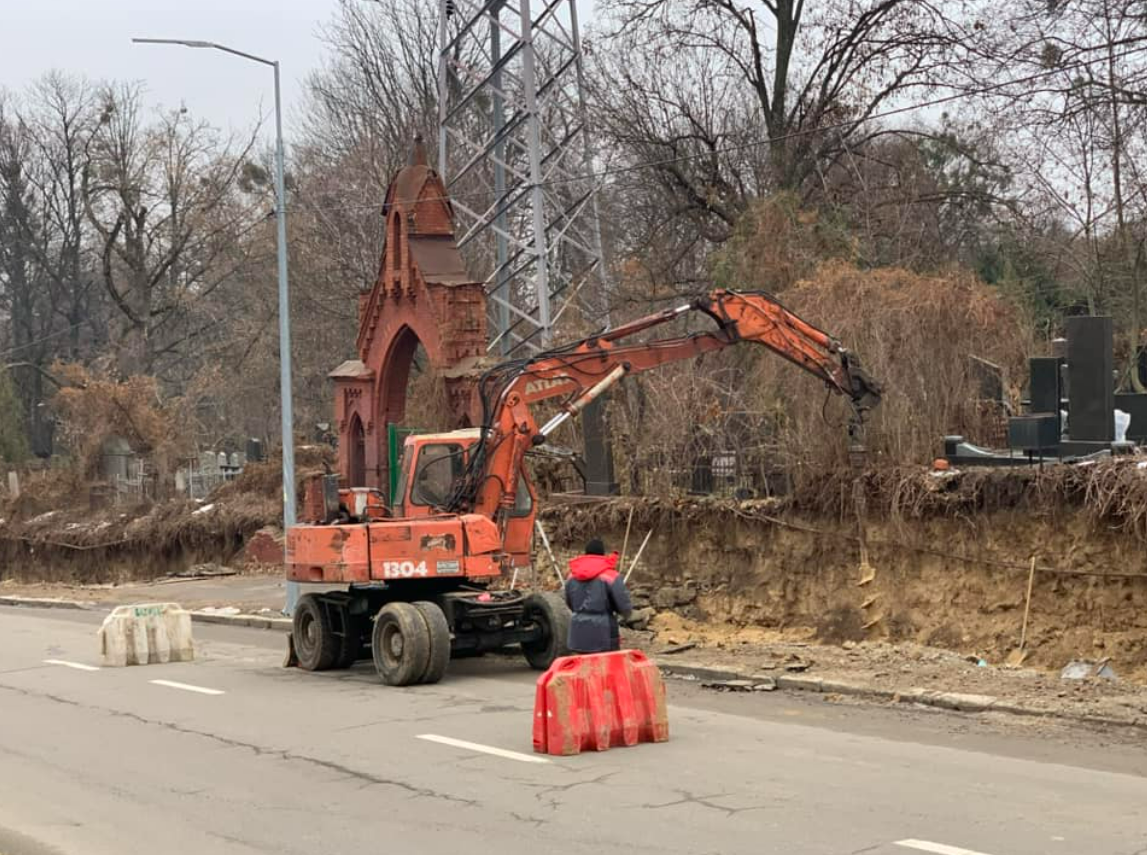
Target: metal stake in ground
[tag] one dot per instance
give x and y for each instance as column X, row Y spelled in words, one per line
column 550, row 552
column 625, row 543
column 638, row 557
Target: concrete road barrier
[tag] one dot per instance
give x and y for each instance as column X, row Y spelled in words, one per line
column 145, row 634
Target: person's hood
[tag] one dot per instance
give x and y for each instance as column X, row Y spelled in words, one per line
column 587, row 567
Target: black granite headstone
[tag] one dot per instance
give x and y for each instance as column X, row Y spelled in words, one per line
column 1045, row 395
column 599, row 478
column 1090, row 361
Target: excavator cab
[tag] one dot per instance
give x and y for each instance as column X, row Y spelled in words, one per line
column 432, row 466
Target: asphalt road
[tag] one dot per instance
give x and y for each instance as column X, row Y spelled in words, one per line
column 241, row 756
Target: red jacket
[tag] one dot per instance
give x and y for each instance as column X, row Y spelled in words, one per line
column 586, row 567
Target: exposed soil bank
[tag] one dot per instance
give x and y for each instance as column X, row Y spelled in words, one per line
column 950, row 555
column 119, row 546
column 957, row 582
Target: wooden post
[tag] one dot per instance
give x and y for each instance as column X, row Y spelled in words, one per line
column 1027, row 605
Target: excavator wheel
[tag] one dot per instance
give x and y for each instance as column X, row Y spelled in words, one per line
column 350, row 644
column 439, row 641
column 400, row 644
column 316, row 644
column 550, row 612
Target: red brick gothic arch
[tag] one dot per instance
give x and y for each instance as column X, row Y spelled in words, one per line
column 422, row 294
column 393, row 379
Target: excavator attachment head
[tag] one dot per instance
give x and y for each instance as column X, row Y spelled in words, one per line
column 863, row 388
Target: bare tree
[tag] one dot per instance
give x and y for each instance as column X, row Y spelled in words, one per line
column 160, row 196
column 1075, row 124
column 710, row 104
column 24, row 299
column 62, row 118
column 377, row 89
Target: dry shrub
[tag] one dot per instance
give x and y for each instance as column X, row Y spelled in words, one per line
column 265, row 479
column 1112, row 495
column 95, row 407
column 776, row 243
column 667, row 420
column 427, row 404
column 915, row 334
column 44, row 490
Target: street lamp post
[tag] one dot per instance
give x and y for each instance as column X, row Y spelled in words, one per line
column 284, row 299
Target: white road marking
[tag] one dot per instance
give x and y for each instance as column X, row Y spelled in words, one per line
column 79, row 666
column 484, row 749
column 937, row 848
column 171, row 684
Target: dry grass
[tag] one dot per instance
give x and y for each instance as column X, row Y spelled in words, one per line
column 916, row 335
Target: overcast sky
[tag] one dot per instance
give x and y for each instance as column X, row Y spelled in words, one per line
column 93, row 37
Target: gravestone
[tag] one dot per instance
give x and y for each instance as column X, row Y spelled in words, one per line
column 1090, row 362
column 599, row 477
column 1045, row 394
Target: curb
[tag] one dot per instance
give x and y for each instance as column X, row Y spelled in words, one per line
column 253, row 621
column 44, row 603
column 951, row 701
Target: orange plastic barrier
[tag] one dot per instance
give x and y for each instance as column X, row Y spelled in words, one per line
column 598, row 701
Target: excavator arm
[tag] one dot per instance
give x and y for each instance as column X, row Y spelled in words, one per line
column 580, row 372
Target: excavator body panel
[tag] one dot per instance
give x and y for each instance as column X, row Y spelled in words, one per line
column 418, row 540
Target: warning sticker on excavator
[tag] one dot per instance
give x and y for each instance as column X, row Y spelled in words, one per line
column 449, row 568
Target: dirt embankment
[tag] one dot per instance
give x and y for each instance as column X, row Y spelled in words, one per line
column 952, row 574
column 49, row 535
column 115, row 545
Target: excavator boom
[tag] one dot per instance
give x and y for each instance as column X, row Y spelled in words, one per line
column 581, row 371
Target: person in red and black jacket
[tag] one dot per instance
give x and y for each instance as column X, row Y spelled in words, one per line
column 596, row 594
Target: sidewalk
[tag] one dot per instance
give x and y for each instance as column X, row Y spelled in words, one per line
column 248, row 593
column 911, row 674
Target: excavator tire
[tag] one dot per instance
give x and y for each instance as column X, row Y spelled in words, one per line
column 550, row 611
column 350, row 645
column 439, row 641
column 400, row 644
column 316, row 644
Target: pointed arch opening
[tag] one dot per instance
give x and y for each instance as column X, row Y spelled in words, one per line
column 356, row 470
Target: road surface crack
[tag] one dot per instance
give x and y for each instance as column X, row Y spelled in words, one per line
column 258, row 750
column 688, row 798
column 533, row 820
column 544, row 795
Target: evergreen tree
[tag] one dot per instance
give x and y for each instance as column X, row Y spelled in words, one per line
column 13, row 433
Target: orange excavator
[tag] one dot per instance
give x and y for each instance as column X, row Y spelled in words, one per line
column 418, row 572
